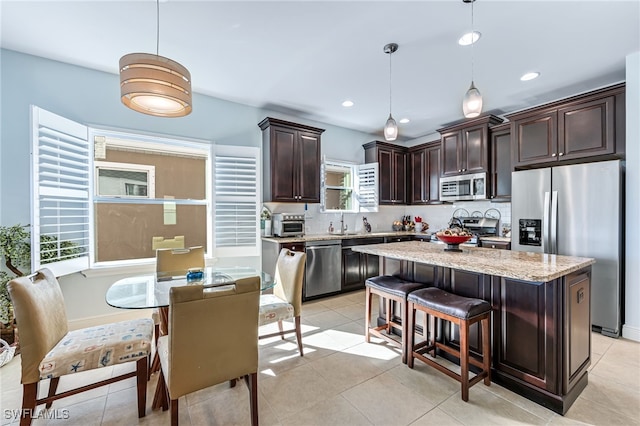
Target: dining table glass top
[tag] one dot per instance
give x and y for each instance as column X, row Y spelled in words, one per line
column 152, row 290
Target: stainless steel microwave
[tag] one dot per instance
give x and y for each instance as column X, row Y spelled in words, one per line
column 463, row 187
column 288, row 224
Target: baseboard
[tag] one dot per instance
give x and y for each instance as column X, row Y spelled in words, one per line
column 631, row 333
column 125, row 315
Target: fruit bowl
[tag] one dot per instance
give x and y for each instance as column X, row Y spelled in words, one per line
column 453, row 239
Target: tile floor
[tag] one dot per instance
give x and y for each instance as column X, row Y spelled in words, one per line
column 342, row 380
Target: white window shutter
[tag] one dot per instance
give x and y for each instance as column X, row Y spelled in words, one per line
column 367, row 187
column 236, row 201
column 61, row 179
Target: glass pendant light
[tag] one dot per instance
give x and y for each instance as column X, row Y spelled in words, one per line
column 155, row 85
column 391, row 127
column 472, row 103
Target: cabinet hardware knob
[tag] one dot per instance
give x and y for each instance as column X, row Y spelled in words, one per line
column 459, row 170
column 464, row 170
column 553, row 155
column 562, row 153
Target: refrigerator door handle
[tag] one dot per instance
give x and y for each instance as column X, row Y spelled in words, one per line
column 554, row 223
column 545, row 223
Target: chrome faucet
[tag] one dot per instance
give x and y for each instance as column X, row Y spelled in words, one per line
column 343, row 226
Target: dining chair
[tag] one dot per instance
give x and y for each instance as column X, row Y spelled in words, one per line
column 174, row 262
column 286, row 300
column 49, row 350
column 192, row 360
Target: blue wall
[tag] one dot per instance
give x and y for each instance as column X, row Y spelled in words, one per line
column 93, row 98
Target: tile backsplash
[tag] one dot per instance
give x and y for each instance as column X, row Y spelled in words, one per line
column 437, row 216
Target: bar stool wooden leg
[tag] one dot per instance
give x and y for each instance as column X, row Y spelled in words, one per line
column 464, row 359
column 388, row 314
column 409, row 341
column 367, row 317
column 486, row 350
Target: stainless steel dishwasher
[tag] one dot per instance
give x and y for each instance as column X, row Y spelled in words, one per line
column 324, row 266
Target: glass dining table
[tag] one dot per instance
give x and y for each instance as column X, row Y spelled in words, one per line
column 152, row 291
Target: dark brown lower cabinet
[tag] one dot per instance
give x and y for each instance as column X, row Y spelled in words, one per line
column 541, row 331
column 357, row 267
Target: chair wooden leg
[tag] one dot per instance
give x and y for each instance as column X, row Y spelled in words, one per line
column 53, row 387
column 464, row 359
column 281, row 328
column 486, row 351
column 29, row 394
column 432, row 329
column 388, row 315
column 367, row 315
column 299, row 334
column 142, row 374
column 174, row 412
column 410, row 337
column 405, row 330
column 252, row 384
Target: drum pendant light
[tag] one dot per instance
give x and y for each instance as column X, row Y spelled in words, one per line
column 391, row 127
column 155, row 85
column 472, row 103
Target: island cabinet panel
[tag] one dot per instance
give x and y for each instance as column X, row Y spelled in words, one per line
column 467, row 284
column 526, row 329
column 577, row 330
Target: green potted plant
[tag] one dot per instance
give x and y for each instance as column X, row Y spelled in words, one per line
column 15, row 251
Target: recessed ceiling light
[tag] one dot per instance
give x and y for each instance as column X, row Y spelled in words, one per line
column 404, row 120
column 530, row 76
column 469, row 38
column 347, row 104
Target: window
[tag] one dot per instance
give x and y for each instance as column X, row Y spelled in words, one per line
column 104, row 197
column 349, row 187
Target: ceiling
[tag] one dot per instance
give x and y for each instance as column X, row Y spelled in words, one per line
column 303, row 58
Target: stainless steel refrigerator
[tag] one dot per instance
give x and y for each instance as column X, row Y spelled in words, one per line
column 576, row 210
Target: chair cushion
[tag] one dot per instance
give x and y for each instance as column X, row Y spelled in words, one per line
column 99, row 346
column 273, row 309
column 393, row 285
column 449, row 304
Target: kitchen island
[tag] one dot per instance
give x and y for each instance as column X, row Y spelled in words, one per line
column 541, row 323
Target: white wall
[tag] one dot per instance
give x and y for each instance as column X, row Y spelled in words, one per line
column 631, row 325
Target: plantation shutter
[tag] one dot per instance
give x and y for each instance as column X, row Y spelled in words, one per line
column 367, row 187
column 61, row 178
column 236, row 201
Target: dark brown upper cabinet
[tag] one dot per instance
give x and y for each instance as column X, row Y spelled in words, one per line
column 465, row 146
column 291, row 159
column 392, row 173
column 500, row 159
column 584, row 126
column 424, row 162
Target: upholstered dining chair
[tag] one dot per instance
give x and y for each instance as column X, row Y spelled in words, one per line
column 175, row 262
column 286, row 300
column 49, row 350
column 192, row 360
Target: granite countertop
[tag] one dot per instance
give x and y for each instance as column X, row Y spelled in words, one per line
column 527, row 266
column 323, row 237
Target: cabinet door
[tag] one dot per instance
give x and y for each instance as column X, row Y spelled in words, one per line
column 451, row 151
column 535, row 139
column 475, row 150
column 526, row 331
column 351, row 269
column 284, row 178
column 501, row 165
column 419, row 193
column 433, row 173
column 385, row 162
column 370, row 266
column 308, row 172
column 586, row 129
column 399, row 177
column 578, row 334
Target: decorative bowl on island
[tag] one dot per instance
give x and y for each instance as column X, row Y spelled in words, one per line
column 453, row 239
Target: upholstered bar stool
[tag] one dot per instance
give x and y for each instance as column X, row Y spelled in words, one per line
column 391, row 289
column 464, row 312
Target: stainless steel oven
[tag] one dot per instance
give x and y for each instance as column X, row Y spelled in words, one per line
column 463, row 187
column 288, row 225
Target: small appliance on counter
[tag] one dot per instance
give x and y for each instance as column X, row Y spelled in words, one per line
column 288, row 224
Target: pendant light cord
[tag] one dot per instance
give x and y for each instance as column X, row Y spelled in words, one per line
column 473, row 43
column 157, row 27
column 390, row 53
